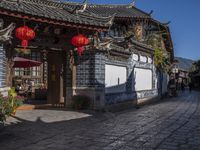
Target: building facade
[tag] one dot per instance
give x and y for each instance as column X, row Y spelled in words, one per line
column 117, row 65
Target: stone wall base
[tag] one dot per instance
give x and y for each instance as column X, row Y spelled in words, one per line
column 96, row 96
column 131, row 104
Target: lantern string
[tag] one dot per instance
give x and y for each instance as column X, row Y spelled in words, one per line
column 78, row 30
column 24, row 22
column 36, row 27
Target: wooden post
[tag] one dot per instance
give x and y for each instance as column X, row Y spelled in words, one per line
column 74, row 79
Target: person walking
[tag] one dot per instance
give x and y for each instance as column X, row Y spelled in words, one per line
column 190, row 86
column 172, row 87
column 182, row 86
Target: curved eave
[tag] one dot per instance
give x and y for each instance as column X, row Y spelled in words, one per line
column 169, row 42
column 142, row 47
column 52, row 21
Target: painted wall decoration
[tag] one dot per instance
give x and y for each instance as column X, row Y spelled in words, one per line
column 138, row 32
column 143, row 79
column 143, row 58
column 149, row 60
column 115, row 78
column 135, row 57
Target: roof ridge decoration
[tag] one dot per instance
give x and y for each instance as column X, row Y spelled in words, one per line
column 81, row 9
column 132, row 4
column 151, row 12
column 108, row 5
column 6, row 33
column 166, row 23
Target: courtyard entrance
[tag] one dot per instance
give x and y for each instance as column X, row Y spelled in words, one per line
column 41, row 83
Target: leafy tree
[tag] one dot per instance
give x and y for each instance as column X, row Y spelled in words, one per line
column 196, row 67
column 161, row 62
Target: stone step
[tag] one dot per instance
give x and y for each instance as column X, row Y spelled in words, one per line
column 40, row 106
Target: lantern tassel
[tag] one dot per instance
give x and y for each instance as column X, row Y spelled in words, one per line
column 80, row 50
column 24, row 43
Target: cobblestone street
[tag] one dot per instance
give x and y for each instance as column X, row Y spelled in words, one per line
column 170, row 124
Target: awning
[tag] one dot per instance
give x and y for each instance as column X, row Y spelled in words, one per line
column 25, row 63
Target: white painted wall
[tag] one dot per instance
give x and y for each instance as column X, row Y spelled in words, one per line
column 143, row 79
column 115, row 78
column 135, row 57
column 143, row 59
column 150, row 60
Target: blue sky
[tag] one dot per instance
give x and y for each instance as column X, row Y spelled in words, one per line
column 185, row 21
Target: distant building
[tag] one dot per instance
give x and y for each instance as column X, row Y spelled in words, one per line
column 183, row 67
column 196, row 74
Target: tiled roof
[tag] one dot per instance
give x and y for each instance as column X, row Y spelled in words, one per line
column 118, row 10
column 95, row 15
column 54, row 10
column 112, row 9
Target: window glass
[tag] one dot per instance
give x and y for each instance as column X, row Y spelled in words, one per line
column 30, row 72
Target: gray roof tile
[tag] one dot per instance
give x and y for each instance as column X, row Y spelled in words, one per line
column 53, row 10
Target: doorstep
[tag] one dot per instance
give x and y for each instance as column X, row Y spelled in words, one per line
column 39, row 106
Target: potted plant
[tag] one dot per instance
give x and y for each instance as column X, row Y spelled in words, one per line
column 9, row 104
column 80, row 102
column 15, row 100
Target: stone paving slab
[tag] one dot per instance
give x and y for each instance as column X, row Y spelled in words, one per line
column 171, row 124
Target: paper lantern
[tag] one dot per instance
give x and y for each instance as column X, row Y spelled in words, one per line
column 25, row 34
column 80, row 41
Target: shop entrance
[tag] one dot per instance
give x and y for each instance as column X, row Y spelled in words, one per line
column 55, row 77
column 44, row 83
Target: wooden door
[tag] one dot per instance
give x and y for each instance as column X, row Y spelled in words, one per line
column 55, row 78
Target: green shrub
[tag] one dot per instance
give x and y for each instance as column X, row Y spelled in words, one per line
column 5, row 108
column 81, row 102
column 9, row 105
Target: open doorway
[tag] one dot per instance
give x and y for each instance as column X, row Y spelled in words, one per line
column 30, row 81
column 44, row 83
column 56, row 72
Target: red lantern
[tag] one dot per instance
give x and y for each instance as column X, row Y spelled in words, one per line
column 25, row 34
column 80, row 41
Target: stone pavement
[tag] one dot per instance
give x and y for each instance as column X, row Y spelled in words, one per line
column 168, row 125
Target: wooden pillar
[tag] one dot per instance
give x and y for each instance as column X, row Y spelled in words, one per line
column 9, row 68
column 70, row 77
column 74, row 79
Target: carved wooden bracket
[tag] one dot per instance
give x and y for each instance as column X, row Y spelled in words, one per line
column 6, row 33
